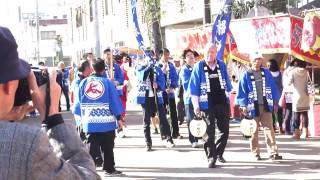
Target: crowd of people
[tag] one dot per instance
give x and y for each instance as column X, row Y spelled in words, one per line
column 168, row 95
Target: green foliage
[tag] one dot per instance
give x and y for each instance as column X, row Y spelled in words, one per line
column 294, row 3
column 151, row 10
column 151, row 16
column 241, row 9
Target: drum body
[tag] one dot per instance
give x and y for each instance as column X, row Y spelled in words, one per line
column 248, row 126
column 198, row 127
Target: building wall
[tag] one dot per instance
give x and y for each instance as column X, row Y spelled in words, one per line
column 10, row 17
column 176, row 12
column 115, row 27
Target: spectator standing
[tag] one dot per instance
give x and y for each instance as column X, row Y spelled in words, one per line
column 277, row 76
column 287, row 90
column 55, row 152
column 63, row 78
column 298, row 78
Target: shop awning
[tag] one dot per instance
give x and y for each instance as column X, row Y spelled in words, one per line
column 273, row 34
column 311, row 32
column 270, row 35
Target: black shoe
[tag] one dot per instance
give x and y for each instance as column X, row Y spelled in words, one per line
column 156, row 131
column 163, row 137
column 148, row 147
column 113, row 173
column 98, row 162
column 212, row 164
column 221, row 159
column 275, row 157
column 180, row 123
column 178, row 136
column 257, row 157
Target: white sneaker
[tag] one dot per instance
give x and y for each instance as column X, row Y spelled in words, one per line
column 169, row 144
column 195, row 145
column 121, row 134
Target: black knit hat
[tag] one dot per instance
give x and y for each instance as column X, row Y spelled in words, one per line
column 11, row 67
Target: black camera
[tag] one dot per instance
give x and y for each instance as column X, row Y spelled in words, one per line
column 23, row 95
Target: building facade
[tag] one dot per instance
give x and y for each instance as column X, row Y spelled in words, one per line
column 97, row 25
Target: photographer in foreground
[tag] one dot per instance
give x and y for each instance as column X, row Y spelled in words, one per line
column 26, row 151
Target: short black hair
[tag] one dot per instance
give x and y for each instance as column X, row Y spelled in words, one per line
column 41, row 63
column 85, row 56
column 123, row 54
column 98, row 65
column 196, row 54
column 164, row 50
column 106, row 50
column 274, row 67
column 150, row 51
column 302, row 64
column 184, row 53
column 117, row 57
column 83, row 65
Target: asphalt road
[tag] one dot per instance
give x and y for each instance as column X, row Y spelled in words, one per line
column 301, row 158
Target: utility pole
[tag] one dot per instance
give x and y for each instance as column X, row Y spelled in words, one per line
column 97, row 28
column 207, row 12
column 38, row 32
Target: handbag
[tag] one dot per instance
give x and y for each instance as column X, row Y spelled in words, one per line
column 310, row 87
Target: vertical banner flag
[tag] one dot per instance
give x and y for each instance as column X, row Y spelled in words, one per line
column 137, row 31
column 220, row 28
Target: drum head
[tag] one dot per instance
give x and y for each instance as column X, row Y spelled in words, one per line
column 198, row 128
column 248, row 127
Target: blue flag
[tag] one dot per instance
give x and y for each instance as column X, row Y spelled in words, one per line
column 220, row 28
column 138, row 33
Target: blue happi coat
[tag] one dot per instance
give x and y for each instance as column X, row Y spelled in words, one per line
column 184, row 78
column 198, row 84
column 172, row 79
column 98, row 104
column 142, row 72
column 118, row 76
column 245, row 96
column 76, row 104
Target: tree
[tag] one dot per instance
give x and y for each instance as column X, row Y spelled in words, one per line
column 152, row 17
column 240, row 8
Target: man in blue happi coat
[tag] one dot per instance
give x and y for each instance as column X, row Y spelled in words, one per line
column 209, row 88
column 84, row 70
column 118, row 76
column 150, row 86
column 257, row 97
column 184, row 78
column 171, row 82
column 99, row 108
